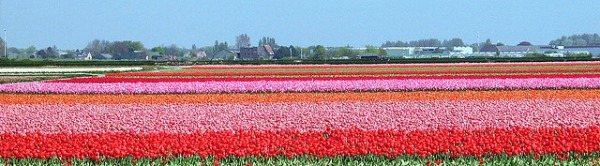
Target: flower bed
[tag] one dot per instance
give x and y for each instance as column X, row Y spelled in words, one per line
column 67, row 70
column 296, row 97
column 259, row 73
column 392, row 65
column 302, row 86
column 485, row 116
column 367, row 116
column 391, row 144
column 343, row 78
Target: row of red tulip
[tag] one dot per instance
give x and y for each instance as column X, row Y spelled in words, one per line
column 350, row 142
column 309, row 116
column 393, row 65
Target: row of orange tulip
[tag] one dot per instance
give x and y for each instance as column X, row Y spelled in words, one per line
column 296, row 97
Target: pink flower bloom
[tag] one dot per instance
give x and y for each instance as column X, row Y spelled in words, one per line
column 190, row 118
column 302, row 86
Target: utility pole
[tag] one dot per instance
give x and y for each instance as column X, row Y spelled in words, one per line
column 478, row 46
column 5, row 45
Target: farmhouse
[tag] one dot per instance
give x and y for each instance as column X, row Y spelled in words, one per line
column 253, row 53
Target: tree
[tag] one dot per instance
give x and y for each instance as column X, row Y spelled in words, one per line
column 282, row 52
column 372, row 50
column 119, row 47
column 14, row 50
column 488, row 42
column 499, row 44
column 97, row 46
column 382, row 51
column 30, row 51
column 346, row 51
column 160, row 50
column 395, row 44
column 209, row 50
column 55, row 51
column 173, row 50
column 577, row 40
column 2, row 47
column 426, row 43
column 319, row 52
column 295, row 51
column 194, row 47
column 68, row 55
column 475, row 47
column 580, row 42
column 42, row 53
column 47, row 53
column 52, row 52
column 220, row 46
column 524, row 43
column 268, row 41
column 456, row 42
column 242, row 41
column 135, row 46
column 94, row 47
column 567, row 42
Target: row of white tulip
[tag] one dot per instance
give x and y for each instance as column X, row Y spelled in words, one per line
column 67, row 69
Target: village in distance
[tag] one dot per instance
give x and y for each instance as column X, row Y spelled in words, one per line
column 581, row 45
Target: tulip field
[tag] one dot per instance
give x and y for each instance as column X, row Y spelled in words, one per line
column 538, row 113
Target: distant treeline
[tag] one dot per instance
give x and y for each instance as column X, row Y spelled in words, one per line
column 573, row 40
column 32, row 63
column 577, row 40
column 455, row 42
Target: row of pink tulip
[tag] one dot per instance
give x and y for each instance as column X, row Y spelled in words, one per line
column 394, row 65
column 302, row 86
column 190, row 118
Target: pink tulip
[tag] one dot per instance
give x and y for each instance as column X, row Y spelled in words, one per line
column 190, row 118
column 302, row 86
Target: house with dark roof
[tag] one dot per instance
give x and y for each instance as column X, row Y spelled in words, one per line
column 589, row 49
column 154, row 55
column 102, row 57
column 508, row 51
column 268, row 51
column 83, row 56
column 519, row 49
column 489, row 48
column 253, row 53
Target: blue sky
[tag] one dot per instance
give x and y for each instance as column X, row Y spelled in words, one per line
column 71, row 24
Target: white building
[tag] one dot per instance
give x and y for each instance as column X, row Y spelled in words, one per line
column 461, row 50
